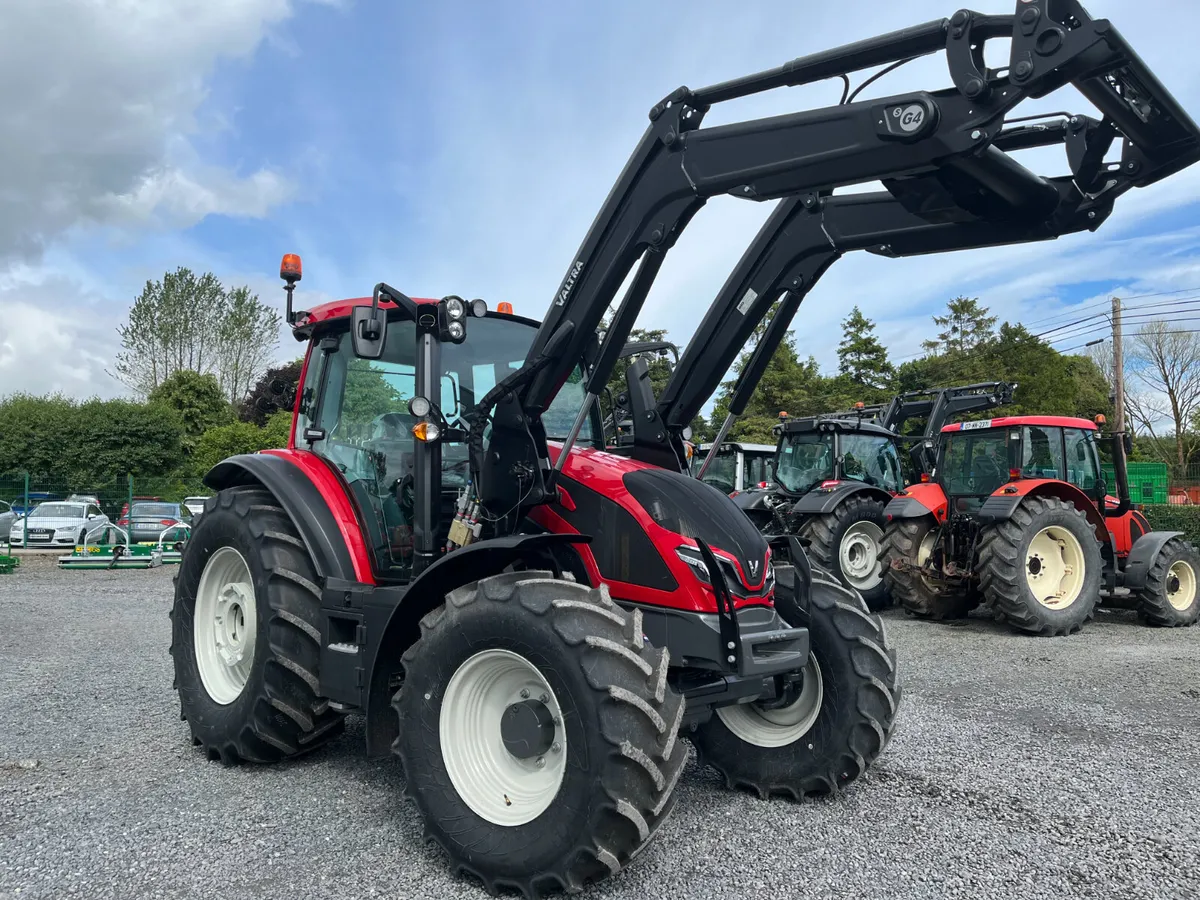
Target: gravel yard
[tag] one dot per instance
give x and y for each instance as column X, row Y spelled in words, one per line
column 1022, row 767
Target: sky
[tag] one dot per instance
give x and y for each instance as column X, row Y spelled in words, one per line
column 465, row 148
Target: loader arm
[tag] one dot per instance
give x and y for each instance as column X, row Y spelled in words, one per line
column 942, row 149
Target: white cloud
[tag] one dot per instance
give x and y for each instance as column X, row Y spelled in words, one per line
column 98, row 99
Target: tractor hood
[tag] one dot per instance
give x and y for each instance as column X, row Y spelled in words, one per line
column 641, row 515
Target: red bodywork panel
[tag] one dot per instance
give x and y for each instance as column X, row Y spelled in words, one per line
column 1063, row 490
column 334, row 494
column 930, row 495
column 1012, row 421
column 603, row 473
column 341, row 309
column 1126, row 529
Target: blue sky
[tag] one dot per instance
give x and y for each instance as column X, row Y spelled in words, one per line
column 459, row 148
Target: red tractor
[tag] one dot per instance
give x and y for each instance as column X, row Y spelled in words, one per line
column 1018, row 517
column 530, row 623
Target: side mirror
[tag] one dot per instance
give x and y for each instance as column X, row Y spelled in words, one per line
column 1127, row 442
column 368, row 332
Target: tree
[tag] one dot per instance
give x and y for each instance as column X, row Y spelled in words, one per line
column 862, row 358
column 287, row 374
column 1164, row 362
column 192, row 322
column 199, row 401
column 224, row 441
column 965, row 326
column 246, row 340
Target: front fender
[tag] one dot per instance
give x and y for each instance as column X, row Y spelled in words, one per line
column 918, row 500
column 1143, row 555
column 426, row 592
column 822, row 500
column 313, row 499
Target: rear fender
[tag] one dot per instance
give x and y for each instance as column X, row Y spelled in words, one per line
column 428, row 591
column 1000, row 506
column 314, row 499
column 926, row 498
column 1143, row 555
column 822, row 500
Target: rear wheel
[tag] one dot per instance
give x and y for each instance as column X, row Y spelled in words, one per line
column 538, row 733
column 245, row 628
column 1040, row 570
column 907, row 546
column 839, row 723
column 847, row 543
column 1170, row 597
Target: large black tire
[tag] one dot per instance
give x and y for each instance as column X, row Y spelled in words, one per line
column 278, row 713
column 855, row 666
column 826, row 533
column 902, row 541
column 1007, row 566
column 620, row 720
column 1171, row 595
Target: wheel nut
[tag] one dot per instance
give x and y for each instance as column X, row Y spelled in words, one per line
column 541, row 762
column 524, row 694
column 556, row 747
column 544, row 699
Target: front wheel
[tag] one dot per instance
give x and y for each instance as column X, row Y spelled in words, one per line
column 538, row 733
column 1170, row 597
column 245, row 629
column 908, row 546
column 847, row 543
column 841, row 720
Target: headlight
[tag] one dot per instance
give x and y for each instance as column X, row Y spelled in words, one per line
column 691, row 556
column 455, row 308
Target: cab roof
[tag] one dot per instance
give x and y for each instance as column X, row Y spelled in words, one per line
column 1011, row 421
column 336, row 310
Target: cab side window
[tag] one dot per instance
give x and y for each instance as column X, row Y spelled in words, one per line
column 1082, row 470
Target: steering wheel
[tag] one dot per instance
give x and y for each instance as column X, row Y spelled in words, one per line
column 986, row 463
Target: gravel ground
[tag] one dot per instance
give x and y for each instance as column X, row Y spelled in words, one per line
column 1022, row 767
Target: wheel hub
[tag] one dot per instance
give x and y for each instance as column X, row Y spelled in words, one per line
column 229, row 624
column 527, row 729
column 859, row 555
column 1054, row 567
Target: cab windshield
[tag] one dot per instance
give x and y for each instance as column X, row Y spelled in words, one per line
column 722, row 471
column 368, row 428
column 805, row 459
column 975, row 463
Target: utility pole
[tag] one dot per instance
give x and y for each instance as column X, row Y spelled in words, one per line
column 1118, row 365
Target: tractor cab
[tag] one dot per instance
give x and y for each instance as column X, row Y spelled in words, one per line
column 976, row 459
column 370, row 417
column 813, row 451
column 736, row 466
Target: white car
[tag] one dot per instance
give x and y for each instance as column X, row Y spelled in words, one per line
column 195, row 505
column 58, row 524
column 8, row 519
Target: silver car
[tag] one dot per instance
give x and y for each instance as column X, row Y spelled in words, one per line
column 57, row 524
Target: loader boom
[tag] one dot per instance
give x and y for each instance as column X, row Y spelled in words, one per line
column 941, row 155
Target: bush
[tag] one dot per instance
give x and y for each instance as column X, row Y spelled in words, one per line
column 1168, row 517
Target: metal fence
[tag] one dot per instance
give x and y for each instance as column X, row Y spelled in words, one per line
column 21, row 492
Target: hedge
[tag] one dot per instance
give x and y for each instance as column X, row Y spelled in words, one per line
column 1169, row 517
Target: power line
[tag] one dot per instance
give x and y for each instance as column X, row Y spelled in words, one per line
column 1166, row 303
column 1105, row 303
column 1179, row 331
column 1104, row 326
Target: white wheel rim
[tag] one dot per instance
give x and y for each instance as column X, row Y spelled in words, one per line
column 225, row 625
column 1181, row 585
column 859, row 555
column 495, row 784
column 1054, row 567
column 778, row 727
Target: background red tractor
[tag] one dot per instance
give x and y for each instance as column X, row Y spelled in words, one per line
column 1017, row 516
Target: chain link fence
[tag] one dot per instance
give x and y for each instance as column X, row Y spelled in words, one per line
column 22, row 492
